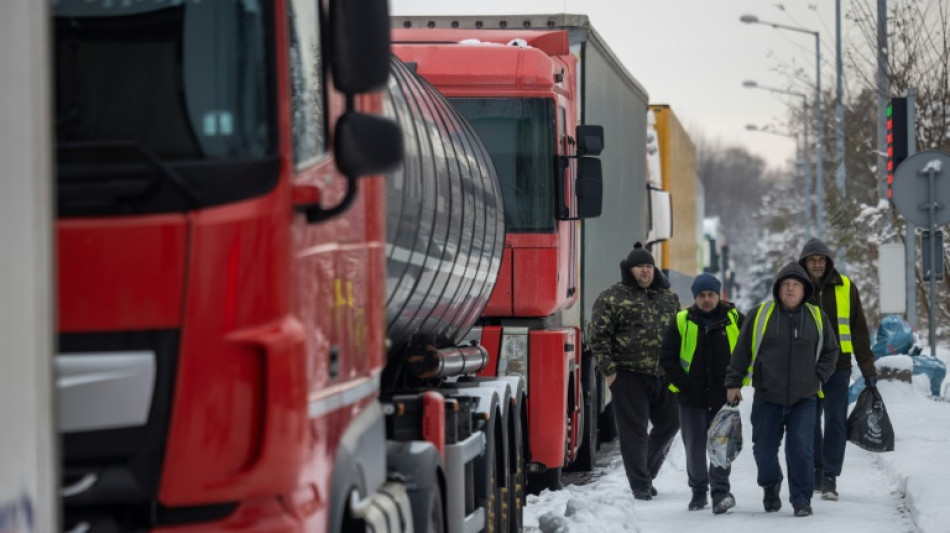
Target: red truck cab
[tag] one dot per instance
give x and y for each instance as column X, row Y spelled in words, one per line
column 519, row 90
column 219, row 353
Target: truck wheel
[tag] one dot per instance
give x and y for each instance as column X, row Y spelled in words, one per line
column 587, row 453
column 517, row 484
column 552, row 479
column 493, row 502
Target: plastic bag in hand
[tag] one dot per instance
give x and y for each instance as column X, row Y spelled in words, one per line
column 868, row 424
column 724, row 440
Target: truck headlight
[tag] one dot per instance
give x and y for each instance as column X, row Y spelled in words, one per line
column 513, row 359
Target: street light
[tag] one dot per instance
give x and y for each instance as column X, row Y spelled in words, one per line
column 798, row 162
column 752, row 19
column 806, row 177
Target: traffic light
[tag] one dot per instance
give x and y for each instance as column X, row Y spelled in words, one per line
column 896, row 138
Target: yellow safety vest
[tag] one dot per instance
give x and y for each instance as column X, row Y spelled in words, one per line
column 843, row 308
column 762, row 319
column 688, row 338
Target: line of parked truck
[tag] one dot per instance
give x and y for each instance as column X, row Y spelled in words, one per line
column 320, row 269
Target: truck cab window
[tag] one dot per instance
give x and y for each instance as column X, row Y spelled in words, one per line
column 520, row 137
column 184, row 80
column 306, row 81
column 162, row 106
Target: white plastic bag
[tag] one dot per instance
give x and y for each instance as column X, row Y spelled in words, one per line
column 724, row 440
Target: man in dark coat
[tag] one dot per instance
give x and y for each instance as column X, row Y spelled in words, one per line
column 695, row 354
column 786, row 350
column 838, row 297
column 627, row 324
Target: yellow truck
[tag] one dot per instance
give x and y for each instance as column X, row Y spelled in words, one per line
column 680, row 257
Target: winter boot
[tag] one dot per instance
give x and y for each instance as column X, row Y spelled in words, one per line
column 699, row 500
column 722, row 504
column 772, row 500
column 642, row 494
column 802, row 509
column 829, row 490
column 652, row 490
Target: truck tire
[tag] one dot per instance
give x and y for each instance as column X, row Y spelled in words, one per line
column 587, row 453
column 517, row 484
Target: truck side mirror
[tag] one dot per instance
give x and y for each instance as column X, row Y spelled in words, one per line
column 589, row 187
column 590, row 139
column 359, row 45
column 366, row 144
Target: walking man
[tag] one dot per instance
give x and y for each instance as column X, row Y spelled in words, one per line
column 627, row 325
column 786, row 351
column 695, row 354
column 838, row 297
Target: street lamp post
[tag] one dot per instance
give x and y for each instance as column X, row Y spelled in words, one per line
column 841, row 172
column 752, row 19
column 798, row 160
column 806, row 163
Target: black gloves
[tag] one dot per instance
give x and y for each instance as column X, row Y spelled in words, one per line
column 871, row 381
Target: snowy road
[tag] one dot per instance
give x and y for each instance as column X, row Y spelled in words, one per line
column 870, row 500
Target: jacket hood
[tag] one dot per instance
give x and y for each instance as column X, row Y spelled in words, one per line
column 659, row 279
column 793, row 270
column 817, row 247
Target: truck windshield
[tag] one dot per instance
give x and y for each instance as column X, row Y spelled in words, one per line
column 519, row 135
column 156, row 86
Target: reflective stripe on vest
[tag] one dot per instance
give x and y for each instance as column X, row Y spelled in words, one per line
column 688, row 339
column 762, row 319
column 843, row 307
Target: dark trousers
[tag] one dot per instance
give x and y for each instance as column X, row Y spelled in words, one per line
column 640, row 399
column 830, row 444
column 797, row 422
column 702, row 475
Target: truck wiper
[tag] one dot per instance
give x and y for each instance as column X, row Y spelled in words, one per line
column 192, row 194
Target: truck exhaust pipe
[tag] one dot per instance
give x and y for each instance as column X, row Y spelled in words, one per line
column 447, row 362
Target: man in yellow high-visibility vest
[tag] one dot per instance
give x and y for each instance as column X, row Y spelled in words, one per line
column 695, row 354
column 838, row 297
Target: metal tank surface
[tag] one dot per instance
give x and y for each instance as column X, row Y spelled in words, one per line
column 445, row 220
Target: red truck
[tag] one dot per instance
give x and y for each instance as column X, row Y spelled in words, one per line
column 534, row 87
column 256, row 330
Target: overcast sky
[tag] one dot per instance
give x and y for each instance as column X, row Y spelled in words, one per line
column 695, row 54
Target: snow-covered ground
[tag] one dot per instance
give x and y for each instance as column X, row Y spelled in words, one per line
column 906, row 490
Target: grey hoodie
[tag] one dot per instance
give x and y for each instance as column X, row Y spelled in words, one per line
column 786, row 369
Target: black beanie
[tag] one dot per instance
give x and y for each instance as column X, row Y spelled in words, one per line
column 705, row 282
column 639, row 256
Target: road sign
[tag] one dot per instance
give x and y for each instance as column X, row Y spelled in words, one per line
column 913, row 192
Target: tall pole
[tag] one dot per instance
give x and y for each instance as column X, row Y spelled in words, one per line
column 807, row 162
column 882, row 91
column 910, row 239
column 841, row 172
column 819, row 179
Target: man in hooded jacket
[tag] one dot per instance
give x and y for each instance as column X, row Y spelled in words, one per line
column 627, row 324
column 838, row 297
column 786, row 351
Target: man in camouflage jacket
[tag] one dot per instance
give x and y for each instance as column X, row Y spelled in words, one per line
column 626, row 330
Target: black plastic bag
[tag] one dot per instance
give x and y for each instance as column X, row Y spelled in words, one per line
column 868, row 424
column 724, row 439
